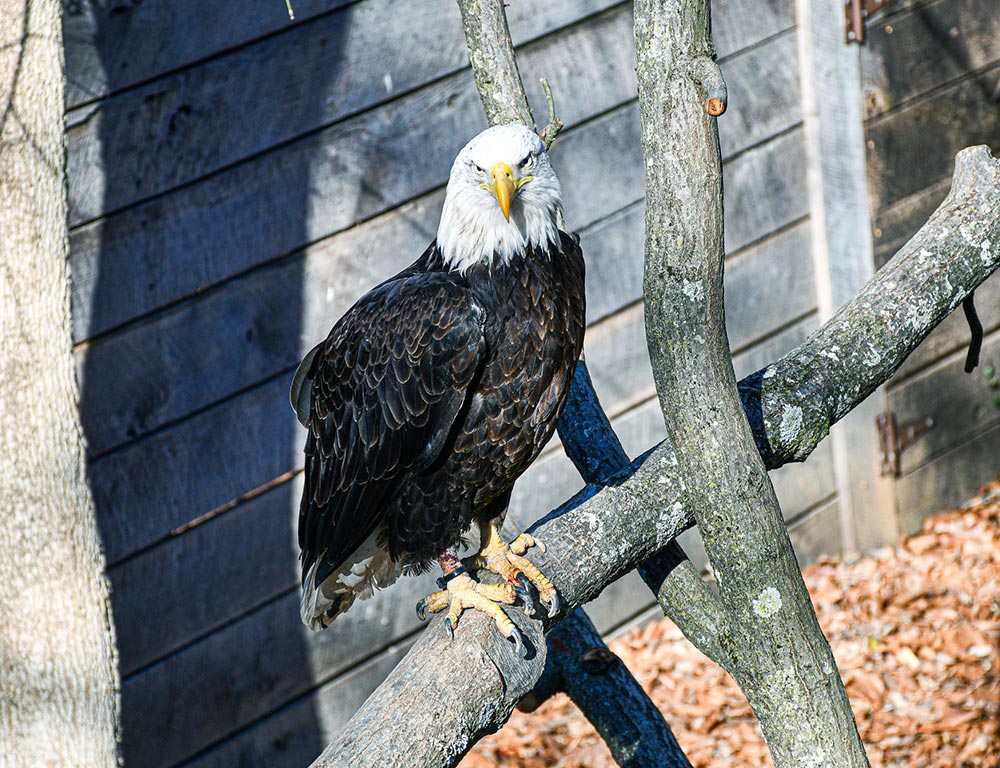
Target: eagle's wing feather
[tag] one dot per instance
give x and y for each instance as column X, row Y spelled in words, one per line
column 384, row 392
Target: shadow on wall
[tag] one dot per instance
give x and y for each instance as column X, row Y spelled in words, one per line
column 187, row 209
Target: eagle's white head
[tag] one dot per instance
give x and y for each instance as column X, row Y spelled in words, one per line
column 503, row 197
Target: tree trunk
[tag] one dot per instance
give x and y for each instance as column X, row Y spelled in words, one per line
column 58, row 667
column 763, row 629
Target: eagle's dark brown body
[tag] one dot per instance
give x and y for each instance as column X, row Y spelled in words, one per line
column 428, row 400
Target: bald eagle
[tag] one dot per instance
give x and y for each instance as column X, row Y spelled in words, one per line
column 437, row 389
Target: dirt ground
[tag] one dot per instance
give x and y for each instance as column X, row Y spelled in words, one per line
column 915, row 630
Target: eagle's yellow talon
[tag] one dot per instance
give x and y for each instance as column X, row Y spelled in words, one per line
column 507, row 561
column 524, row 542
column 463, row 592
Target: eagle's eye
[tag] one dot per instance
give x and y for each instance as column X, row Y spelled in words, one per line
column 528, row 161
column 478, row 169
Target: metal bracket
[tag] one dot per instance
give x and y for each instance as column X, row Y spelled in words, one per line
column 893, row 439
column 856, row 12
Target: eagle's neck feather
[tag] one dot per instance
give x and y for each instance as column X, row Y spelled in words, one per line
column 472, row 232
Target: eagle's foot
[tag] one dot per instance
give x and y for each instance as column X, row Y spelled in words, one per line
column 462, row 592
column 508, row 562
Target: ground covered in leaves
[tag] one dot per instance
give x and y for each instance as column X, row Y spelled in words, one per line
column 915, row 630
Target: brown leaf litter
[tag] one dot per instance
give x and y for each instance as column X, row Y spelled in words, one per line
column 915, row 632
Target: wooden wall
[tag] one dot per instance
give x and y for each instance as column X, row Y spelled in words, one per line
column 931, row 72
column 236, row 182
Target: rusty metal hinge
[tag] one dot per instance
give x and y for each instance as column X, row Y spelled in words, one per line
column 857, row 11
column 894, row 438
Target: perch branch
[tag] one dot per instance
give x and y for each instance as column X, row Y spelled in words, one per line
column 791, row 404
column 601, row 534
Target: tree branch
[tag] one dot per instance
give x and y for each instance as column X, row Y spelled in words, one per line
column 601, row 534
column 494, row 64
column 602, row 687
column 605, row 532
column 793, row 403
column 769, row 639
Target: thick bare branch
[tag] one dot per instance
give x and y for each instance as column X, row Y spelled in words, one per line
column 769, row 639
column 793, row 403
column 604, row 533
column 493, row 63
column 605, row 691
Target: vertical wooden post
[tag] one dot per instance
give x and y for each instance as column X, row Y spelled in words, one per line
column 842, row 251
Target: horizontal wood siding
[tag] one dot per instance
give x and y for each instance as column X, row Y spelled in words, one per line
column 235, row 187
column 931, row 71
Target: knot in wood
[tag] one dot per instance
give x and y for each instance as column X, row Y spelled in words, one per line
column 597, row 661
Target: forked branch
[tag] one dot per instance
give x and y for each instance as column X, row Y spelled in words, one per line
column 455, row 692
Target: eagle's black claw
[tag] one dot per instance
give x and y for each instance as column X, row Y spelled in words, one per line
column 422, row 609
column 518, row 639
column 554, row 604
column 449, row 629
column 524, row 592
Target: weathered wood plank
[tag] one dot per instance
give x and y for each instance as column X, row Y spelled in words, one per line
column 253, row 667
column 368, row 52
column 174, row 246
column 763, row 86
column 199, row 352
column 895, row 224
column 915, row 52
column 968, row 408
column 154, row 487
column 613, row 249
column 816, row 534
column 181, row 127
column 158, row 252
column 914, row 147
column 773, row 193
column 737, row 24
column 288, row 738
column 768, row 284
column 948, row 481
column 111, row 46
column 182, row 589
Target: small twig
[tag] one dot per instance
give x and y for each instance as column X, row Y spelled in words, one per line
column 550, row 131
column 976, row 327
column 291, row 11
column 708, row 75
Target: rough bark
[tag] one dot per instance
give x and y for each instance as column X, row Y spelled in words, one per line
column 58, row 668
column 604, row 532
column 586, row 433
column 767, row 636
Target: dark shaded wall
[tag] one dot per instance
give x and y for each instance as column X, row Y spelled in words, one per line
column 236, row 182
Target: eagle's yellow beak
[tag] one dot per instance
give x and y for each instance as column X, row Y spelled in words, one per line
column 505, row 186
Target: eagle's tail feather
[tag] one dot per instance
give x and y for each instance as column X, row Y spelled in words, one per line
column 369, row 568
